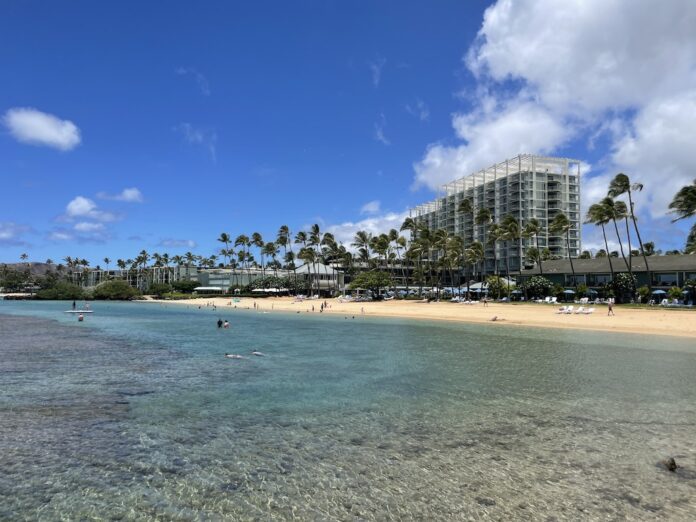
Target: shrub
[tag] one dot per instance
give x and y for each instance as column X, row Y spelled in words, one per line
column 61, row 291
column 115, row 290
column 623, row 284
column 537, row 286
column 675, row 293
column 373, row 280
column 158, row 289
column 185, row 287
column 644, row 293
column 496, row 286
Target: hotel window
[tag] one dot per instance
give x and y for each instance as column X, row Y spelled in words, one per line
column 667, row 279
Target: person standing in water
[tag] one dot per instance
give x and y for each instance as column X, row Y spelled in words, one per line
column 219, row 323
column 74, row 305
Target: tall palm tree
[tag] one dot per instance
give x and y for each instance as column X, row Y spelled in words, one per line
column 484, row 218
column 621, row 184
column 495, row 234
column 226, row 240
column 511, row 233
column 243, row 241
column 616, row 210
column 474, row 255
column 684, row 202
column 533, row 229
column 270, row 249
column 561, row 225
column 598, row 215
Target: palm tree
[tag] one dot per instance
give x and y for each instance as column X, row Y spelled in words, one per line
column 621, row 184
column 616, row 210
column 511, row 232
column 598, row 215
column 243, row 241
column 684, row 202
column 484, row 217
column 533, row 229
column 270, row 249
column 225, row 239
column 495, row 234
column 561, row 225
column 474, row 255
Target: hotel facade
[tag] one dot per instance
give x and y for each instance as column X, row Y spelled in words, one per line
column 526, row 187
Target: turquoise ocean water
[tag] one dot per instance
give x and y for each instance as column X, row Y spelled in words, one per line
column 136, row 415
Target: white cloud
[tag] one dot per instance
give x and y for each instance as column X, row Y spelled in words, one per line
column 129, row 195
column 371, row 207
column 659, row 150
column 491, row 134
column 202, row 81
column 85, row 226
column 11, row 233
column 420, row 110
column 34, row 127
column 81, row 207
column 196, row 136
column 379, row 130
column 345, row 232
column 60, row 235
column 376, row 67
column 177, row 243
column 589, row 55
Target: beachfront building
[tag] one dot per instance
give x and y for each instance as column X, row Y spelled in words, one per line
column 666, row 271
column 526, row 187
column 317, row 276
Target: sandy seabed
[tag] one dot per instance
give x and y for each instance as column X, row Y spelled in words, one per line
column 649, row 321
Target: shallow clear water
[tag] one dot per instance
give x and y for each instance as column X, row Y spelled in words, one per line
column 136, row 414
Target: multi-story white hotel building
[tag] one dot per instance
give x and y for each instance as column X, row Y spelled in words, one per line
column 526, row 187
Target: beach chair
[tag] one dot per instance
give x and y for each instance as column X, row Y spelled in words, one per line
column 569, row 310
column 547, row 300
column 580, row 310
column 562, row 310
column 588, row 311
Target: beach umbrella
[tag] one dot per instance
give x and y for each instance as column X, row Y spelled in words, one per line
column 685, row 291
column 659, row 292
column 591, row 291
column 516, row 292
column 568, row 291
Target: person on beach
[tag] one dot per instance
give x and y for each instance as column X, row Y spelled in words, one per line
column 610, row 305
column 219, row 323
column 485, row 301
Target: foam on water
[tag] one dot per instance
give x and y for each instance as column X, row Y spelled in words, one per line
column 135, row 414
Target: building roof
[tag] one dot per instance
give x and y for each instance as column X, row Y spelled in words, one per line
column 316, row 268
column 675, row 263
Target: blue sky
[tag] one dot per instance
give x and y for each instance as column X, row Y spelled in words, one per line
column 240, row 117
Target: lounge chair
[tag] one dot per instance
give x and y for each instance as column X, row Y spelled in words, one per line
column 562, row 310
column 569, row 310
column 588, row 311
column 580, row 310
column 553, row 300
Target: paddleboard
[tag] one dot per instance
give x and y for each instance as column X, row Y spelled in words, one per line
column 79, row 312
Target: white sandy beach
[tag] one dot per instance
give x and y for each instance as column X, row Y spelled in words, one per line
column 657, row 321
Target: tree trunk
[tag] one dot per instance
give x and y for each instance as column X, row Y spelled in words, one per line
column 640, row 242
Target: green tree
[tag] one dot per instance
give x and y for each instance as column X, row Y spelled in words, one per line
column 537, row 286
column 226, row 240
column 115, row 290
column 621, row 184
column 373, row 280
column 561, row 225
column 533, row 229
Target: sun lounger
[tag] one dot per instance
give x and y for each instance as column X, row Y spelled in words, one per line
column 588, row 311
column 580, row 310
column 562, row 310
column 569, row 310
column 553, row 300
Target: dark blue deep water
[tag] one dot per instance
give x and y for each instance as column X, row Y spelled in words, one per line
column 135, row 414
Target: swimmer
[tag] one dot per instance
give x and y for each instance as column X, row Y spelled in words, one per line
column 233, row 356
column 226, row 324
column 80, row 317
column 258, row 354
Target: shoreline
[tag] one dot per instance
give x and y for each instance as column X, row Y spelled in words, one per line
column 672, row 323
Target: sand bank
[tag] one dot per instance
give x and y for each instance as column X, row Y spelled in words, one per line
column 655, row 321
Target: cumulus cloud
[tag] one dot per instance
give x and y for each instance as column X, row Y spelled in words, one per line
column 589, row 55
column 490, row 134
column 11, row 234
column 177, row 243
column 345, row 232
column 129, row 195
column 81, row 207
column 81, row 233
column 201, row 81
column 371, row 207
column 620, row 70
column 201, row 137
column 28, row 125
